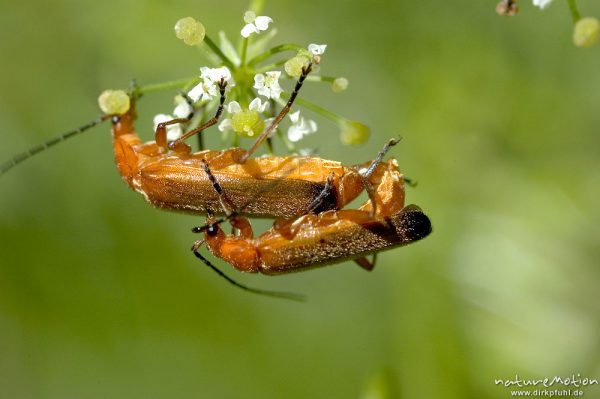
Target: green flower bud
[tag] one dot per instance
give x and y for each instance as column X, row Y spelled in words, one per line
column 249, row 17
column 293, row 66
column 586, row 32
column 354, row 133
column 114, row 102
column 339, row 85
column 247, row 123
column 190, row 31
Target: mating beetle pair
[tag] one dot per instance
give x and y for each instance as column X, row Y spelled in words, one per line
column 306, row 194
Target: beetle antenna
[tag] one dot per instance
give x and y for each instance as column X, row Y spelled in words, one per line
column 17, row 159
column 380, row 156
column 275, row 294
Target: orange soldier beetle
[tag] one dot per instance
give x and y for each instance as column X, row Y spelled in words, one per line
column 170, row 176
column 265, row 186
column 176, row 180
column 314, row 240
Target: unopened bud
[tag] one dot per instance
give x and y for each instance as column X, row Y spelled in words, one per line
column 339, row 85
column 293, row 66
column 190, row 31
column 247, row 123
column 354, row 133
column 114, row 102
column 586, row 32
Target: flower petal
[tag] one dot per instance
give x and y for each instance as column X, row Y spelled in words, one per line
column 160, row 118
column 294, row 116
column 225, row 125
column 259, row 81
column 262, row 22
column 233, row 107
column 257, row 105
column 294, row 134
column 273, row 74
column 183, row 110
column 196, row 92
column 174, row 132
column 221, row 73
column 317, row 49
column 248, row 29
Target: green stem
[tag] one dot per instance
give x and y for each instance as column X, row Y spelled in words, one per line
column 257, row 6
column 320, row 110
column 316, row 78
column 574, row 11
column 218, row 52
column 271, row 67
column 173, row 84
column 244, row 51
column 272, row 51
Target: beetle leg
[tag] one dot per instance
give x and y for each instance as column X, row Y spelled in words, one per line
column 323, row 194
column 367, row 173
column 284, row 111
column 161, row 136
column 411, row 182
column 240, row 224
column 226, row 204
column 222, row 85
column 365, row 263
column 371, row 192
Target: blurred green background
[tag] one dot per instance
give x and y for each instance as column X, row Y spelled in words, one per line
column 100, row 296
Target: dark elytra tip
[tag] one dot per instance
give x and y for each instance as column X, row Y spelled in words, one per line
column 415, row 224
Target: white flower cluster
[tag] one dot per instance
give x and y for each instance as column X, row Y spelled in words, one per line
column 205, row 90
column 268, row 84
column 300, row 127
column 254, row 24
column 243, row 121
column 209, row 86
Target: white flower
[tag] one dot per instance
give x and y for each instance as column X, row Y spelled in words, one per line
column 257, row 105
column 541, row 3
column 202, row 91
column 254, row 24
column 268, row 84
column 225, row 125
column 173, row 131
column 300, row 127
column 233, row 107
column 183, row 109
column 216, row 74
column 318, row 49
column 208, row 87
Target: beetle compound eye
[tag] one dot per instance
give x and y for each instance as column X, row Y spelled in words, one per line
column 212, row 230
